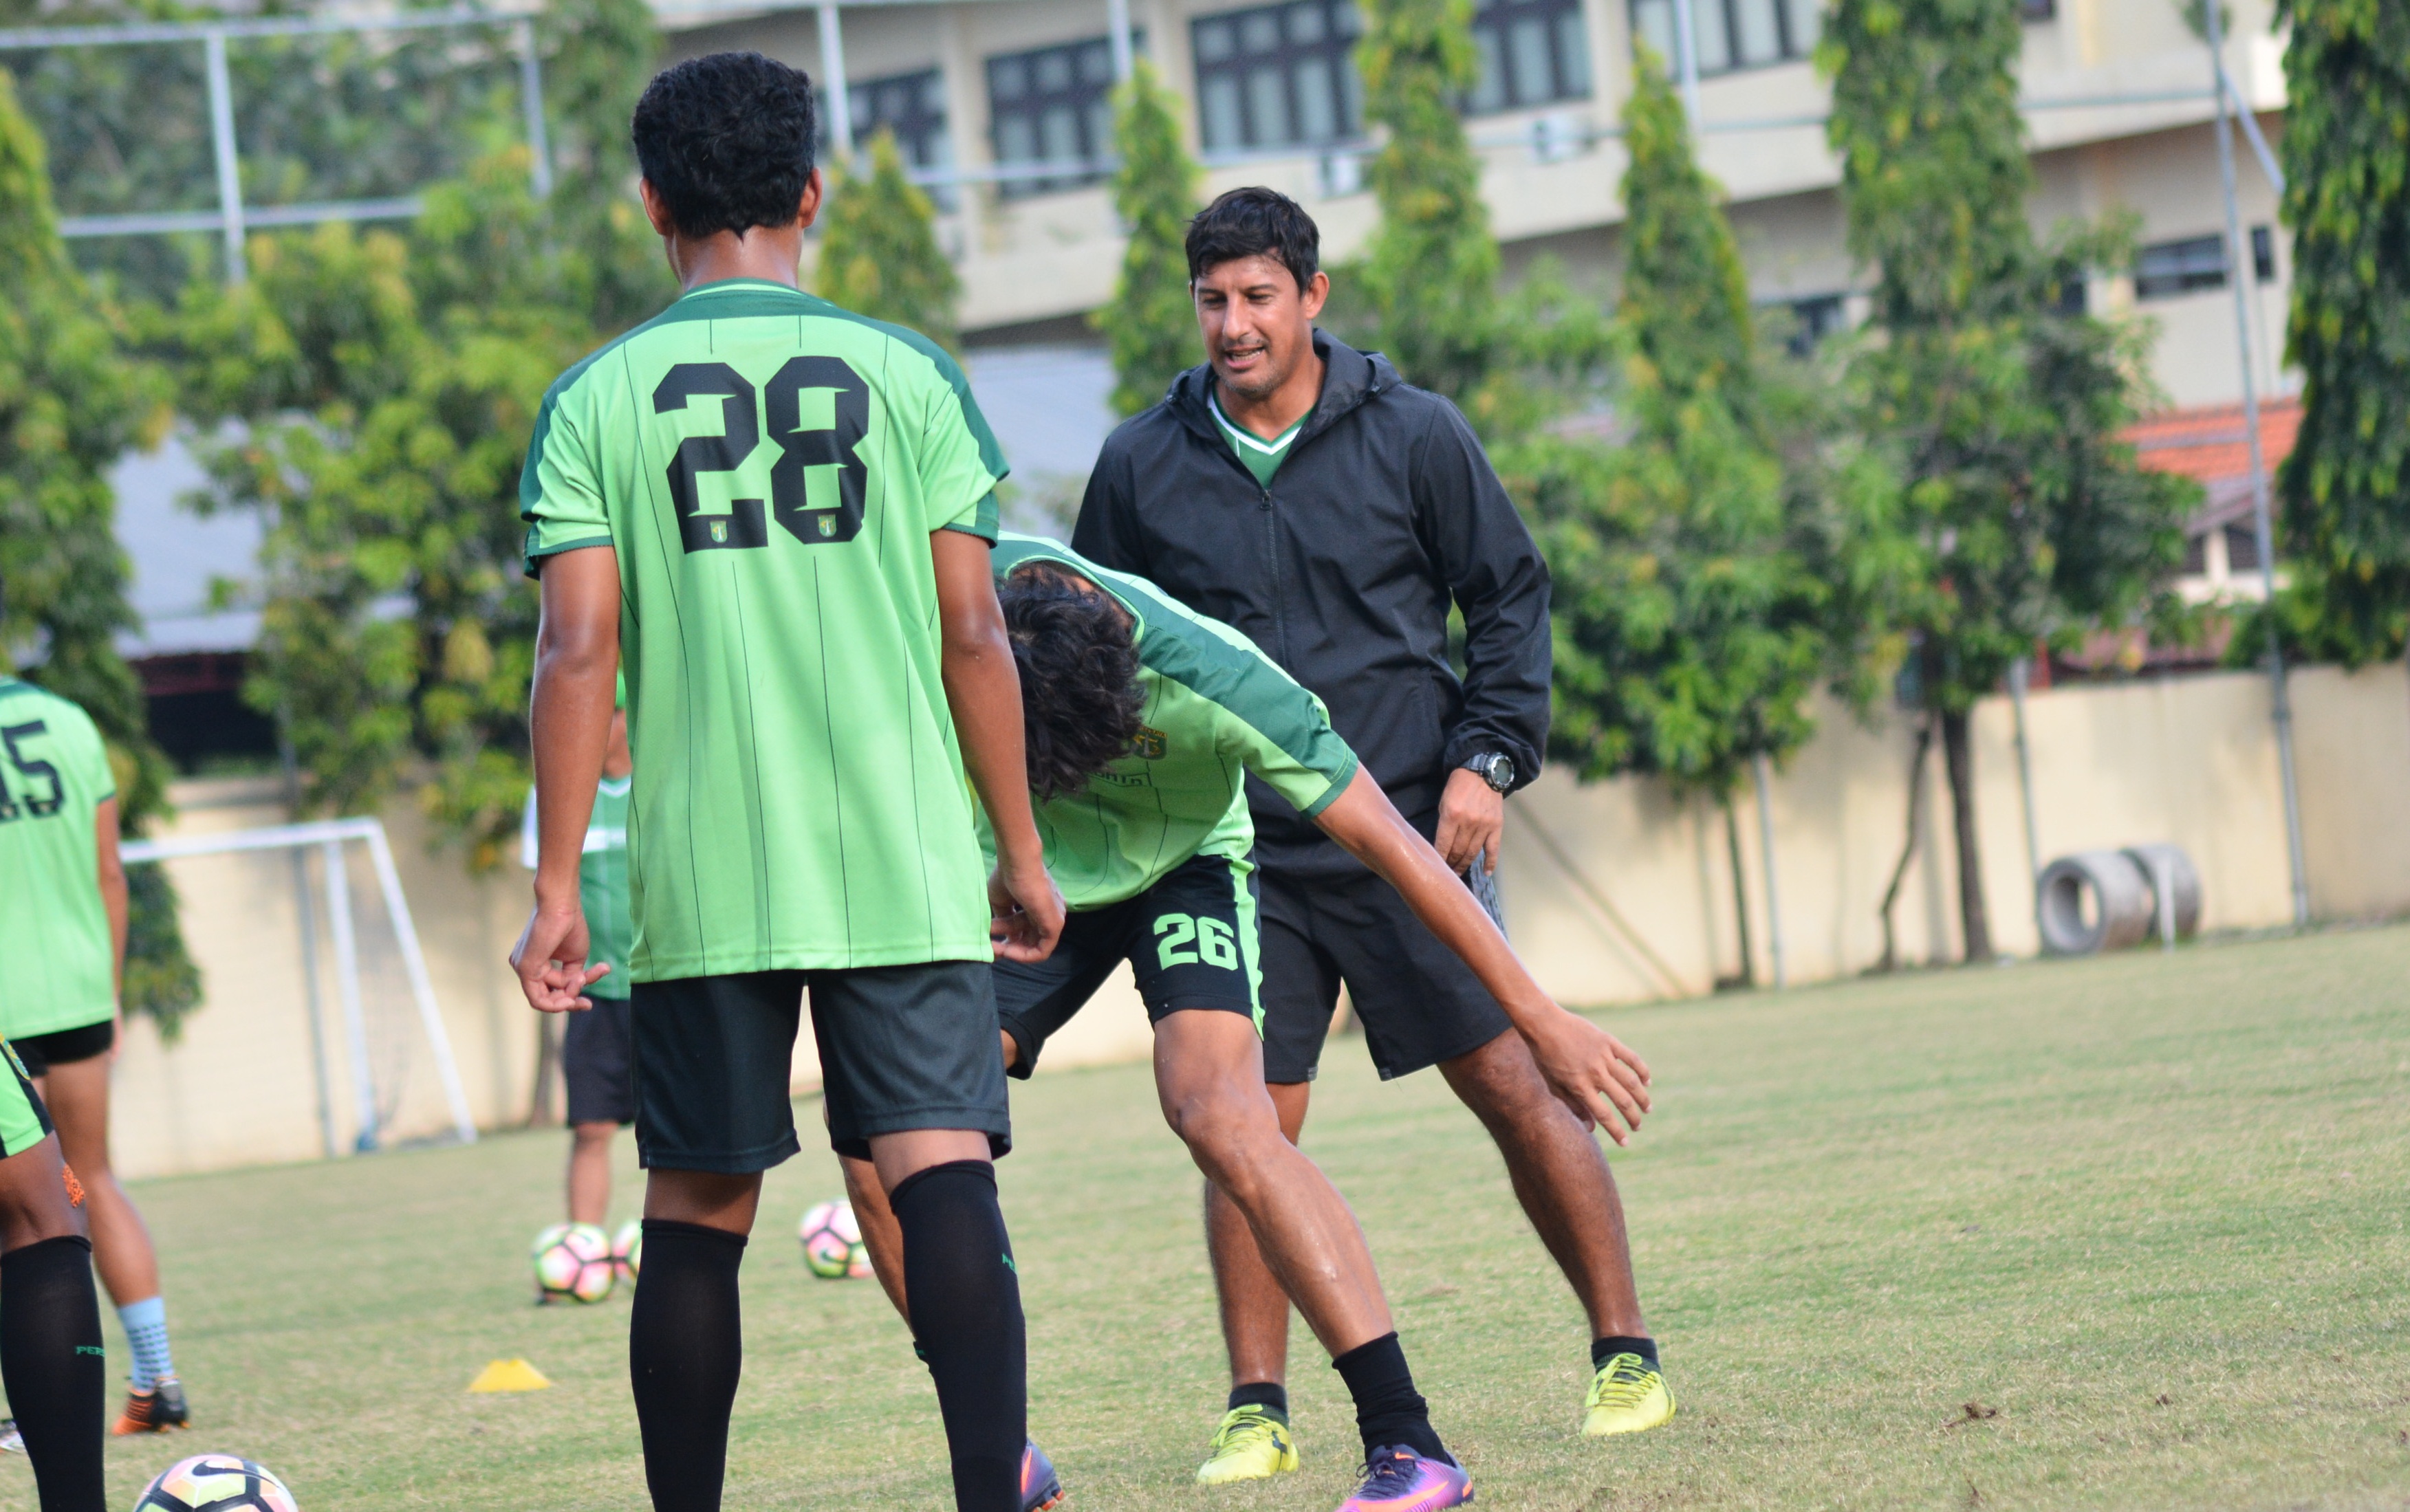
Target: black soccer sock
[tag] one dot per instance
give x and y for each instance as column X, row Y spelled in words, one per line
column 52, row 1362
column 959, row 1276
column 1270, row 1395
column 686, row 1347
column 1388, row 1409
column 1602, row 1350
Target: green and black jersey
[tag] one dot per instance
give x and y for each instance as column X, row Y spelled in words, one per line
column 1216, row 708
column 58, row 967
column 769, row 469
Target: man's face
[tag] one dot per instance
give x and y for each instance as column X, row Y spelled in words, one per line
column 1257, row 324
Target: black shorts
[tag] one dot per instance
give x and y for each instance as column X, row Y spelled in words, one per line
column 598, row 1065
column 1190, row 938
column 901, row 1048
column 66, row 1046
column 1418, row 1003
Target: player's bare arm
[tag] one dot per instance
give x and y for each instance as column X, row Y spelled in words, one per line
column 569, row 723
column 1593, row 1071
column 984, row 693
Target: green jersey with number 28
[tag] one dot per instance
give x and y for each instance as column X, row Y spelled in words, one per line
column 769, row 469
column 1216, row 708
column 57, row 965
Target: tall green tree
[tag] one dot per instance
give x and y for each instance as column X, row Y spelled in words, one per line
column 878, row 247
column 70, row 405
column 2001, row 400
column 1151, row 322
column 1431, row 274
column 2347, row 484
column 1697, row 575
column 369, row 396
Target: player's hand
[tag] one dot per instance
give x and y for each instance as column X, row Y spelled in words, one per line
column 1472, row 815
column 1596, row 1074
column 550, row 958
column 1024, row 912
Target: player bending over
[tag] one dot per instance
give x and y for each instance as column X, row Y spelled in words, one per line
column 1142, row 718
column 62, row 961
column 779, row 514
column 597, row 1064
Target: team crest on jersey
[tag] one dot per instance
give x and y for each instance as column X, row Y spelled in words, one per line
column 1151, row 743
column 828, row 525
column 720, row 530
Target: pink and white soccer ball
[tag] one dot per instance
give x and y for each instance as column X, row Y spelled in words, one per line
column 833, row 1246
column 628, row 1250
column 217, row 1483
column 572, row 1263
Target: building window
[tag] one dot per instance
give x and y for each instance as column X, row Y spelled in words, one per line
column 2263, row 254
column 2036, row 9
column 1278, row 75
column 2168, row 269
column 1733, row 33
column 1813, row 319
column 1052, row 106
column 913, row 106
column 1532, row 52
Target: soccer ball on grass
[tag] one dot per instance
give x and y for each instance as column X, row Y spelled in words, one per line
column 833, row 1246
column 217, row 1483
column 628, row 1250
column 572, row 1263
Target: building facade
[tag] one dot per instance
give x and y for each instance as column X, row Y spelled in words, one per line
column 1003, row 108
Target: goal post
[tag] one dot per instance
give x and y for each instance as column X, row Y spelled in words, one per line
column 330, row 837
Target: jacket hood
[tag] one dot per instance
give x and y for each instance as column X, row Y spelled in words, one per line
column 1349, row 378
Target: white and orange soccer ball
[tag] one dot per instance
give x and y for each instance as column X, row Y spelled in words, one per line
column 572, row 1263
column 217, row 1483
column 833, row 1246
column 628, row 1250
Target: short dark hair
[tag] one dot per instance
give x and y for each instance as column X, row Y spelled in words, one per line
column 726, row 141
column 1080, row 697
column 1254, row 222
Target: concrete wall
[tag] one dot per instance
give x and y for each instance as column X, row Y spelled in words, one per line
column 239, row 1088
column 1618, row 892
column 2190, row 760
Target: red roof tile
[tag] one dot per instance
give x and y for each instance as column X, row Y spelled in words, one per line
column 2209, row 444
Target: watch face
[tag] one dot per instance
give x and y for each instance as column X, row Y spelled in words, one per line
column 1497, row 771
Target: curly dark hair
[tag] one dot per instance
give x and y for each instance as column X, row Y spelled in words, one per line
column 726, row 141
column 1080, row 697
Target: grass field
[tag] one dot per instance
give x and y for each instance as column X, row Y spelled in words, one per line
column 2148, row 1211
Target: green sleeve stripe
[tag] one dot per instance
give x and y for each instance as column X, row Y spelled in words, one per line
column 536, row 552
column 986, row 525
column 1338, row 784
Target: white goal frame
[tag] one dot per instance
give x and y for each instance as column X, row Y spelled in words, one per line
column 330, row 836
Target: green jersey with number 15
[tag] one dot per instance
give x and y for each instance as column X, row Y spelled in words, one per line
column 769, row 469
column 58, row 965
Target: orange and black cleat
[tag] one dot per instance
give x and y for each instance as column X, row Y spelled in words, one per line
column 159, row 1410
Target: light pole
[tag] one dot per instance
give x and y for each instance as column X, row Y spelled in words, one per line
column 2263, row 533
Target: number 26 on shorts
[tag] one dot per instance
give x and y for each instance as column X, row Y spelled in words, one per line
column 1214, row 941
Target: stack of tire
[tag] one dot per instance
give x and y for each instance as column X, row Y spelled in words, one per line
column 2124, row 889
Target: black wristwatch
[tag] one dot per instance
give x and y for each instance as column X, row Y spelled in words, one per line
column 1496, row 767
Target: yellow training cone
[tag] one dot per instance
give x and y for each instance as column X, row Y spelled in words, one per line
column 509, row 1375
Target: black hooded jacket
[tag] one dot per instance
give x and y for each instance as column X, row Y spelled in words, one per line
column 1384, row 510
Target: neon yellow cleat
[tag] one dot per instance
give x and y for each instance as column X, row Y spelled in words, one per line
column 1628, row 1395
column 1251, row 1445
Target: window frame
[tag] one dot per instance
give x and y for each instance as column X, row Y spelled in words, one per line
column 929, row 144
column 1088, row 97
column 1570, row 74
column 1240, row 67
column 1726, row 14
